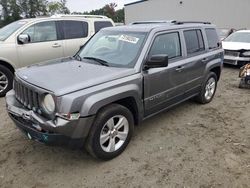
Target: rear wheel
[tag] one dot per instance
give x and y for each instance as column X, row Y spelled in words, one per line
column 111, row 132
column 6, row 80
column 208, row 89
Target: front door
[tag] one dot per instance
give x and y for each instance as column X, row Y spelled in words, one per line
column 164, row 86
column 44, row 44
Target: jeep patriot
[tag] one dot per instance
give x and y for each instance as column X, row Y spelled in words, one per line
column 120, row 77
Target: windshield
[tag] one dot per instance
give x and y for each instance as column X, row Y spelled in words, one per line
column 239, row 37
column 6, row 31
column 115, row 48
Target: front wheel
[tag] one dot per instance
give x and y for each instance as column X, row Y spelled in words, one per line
column 111, row 132
column 6, row 80
column 208, row 89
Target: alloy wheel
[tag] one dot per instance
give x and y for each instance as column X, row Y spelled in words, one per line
column 210, row 88
column 3, row 82
column 114, row 133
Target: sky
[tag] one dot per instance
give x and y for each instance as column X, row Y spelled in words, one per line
column 87, row 5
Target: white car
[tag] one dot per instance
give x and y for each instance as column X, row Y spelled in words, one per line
column 237, row 48
column 29, row 41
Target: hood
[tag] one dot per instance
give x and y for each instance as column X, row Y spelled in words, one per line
column 235, row 45
column 69, row 76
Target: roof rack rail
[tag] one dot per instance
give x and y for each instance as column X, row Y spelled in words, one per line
column 78, row 15
column 194, row 22
column 153, row 22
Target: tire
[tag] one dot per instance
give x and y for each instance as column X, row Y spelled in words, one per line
column 242, row 84
column 110, row 132
column 204, row 96
column 6, row 80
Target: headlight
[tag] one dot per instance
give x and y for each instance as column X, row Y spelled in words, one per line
column 246, row 54
column 49, row 104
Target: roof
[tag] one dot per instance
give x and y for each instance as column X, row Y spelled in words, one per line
column 65, row 17
column 136, row 2
column 157, row 25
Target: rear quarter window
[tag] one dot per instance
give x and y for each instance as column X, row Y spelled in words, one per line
column 102, row 24
column 212, row 38
column 75, row 29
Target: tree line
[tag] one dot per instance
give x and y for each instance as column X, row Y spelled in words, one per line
column 13, row 10
column 108, row 10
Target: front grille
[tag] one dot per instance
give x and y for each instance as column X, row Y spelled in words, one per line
column 232, row 53
column 27, row 97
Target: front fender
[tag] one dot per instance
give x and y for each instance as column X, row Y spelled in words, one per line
column 95, row 102
column 7, row 61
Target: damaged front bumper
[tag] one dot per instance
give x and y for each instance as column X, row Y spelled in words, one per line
column 234, row 60
column 58, row 131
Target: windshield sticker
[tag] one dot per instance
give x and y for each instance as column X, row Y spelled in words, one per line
column 129, row 39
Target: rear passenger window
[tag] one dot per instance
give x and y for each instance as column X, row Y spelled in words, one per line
column 212, row 38
column 75, row 29
column 194, row 41
column 167, row 44
column 102, row 24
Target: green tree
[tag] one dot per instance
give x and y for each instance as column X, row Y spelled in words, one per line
column 58, row 7
column 5, row 8
column 13, row 10
column 109, row 11
column 120, row 16
column 36, row 8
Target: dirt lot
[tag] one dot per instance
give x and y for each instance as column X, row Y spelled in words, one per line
column 189, row 146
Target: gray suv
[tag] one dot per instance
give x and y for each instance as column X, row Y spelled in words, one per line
column 121, row 76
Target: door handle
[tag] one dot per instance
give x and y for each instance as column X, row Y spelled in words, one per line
column 56, row 45
column 204, row 60
column 180, row 68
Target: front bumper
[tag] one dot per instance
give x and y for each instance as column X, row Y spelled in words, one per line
column 58, row 131
column 234, row 60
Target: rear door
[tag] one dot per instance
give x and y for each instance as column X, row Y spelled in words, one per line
column 214, row 44
column 196, row 57
column 44, row 44
column 75, row 34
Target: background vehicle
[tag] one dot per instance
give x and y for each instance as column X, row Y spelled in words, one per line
column 30, row 41
column 224, row 33
column 122, row 76
column 245, row 76
column 237, row 48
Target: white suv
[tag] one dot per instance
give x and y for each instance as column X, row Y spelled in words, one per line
column 29, row 41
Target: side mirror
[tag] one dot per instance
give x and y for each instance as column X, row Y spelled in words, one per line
column 157, row 61
column 23, row 38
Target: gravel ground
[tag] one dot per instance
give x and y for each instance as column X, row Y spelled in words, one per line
column 191, row 145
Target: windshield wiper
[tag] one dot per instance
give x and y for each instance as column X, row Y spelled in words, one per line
column 100, row 61
column 78, row 57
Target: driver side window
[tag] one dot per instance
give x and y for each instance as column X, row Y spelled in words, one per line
column 167, row 44
column 42, row 32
